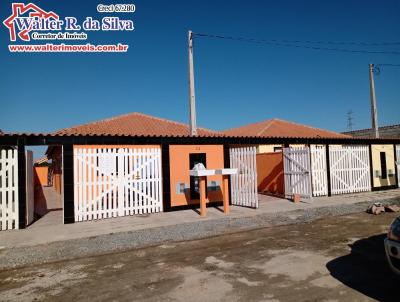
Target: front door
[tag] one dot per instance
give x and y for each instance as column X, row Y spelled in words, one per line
column 195, row 158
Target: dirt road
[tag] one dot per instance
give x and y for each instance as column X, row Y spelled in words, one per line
column 334, row 259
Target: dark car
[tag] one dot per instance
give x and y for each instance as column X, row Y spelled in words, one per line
column 392, row 245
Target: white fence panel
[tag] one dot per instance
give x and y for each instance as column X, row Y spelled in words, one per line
column 319, row 175
column 244, row 183
column 8, row 189
column 349, row 169
column 398, row 164
column 297, row 172
column 111, row 182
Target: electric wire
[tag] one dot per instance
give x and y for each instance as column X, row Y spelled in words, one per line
column 388, row 64
column 291, row 43
column 378, row 67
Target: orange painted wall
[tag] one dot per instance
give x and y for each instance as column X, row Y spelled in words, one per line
column 41, row 176
column 270, row 176
column 179, row 170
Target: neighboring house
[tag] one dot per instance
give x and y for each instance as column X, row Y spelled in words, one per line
column 383, row 156
column 41, row 171
column 270, row 161
column 391, row 131
column 54, row 153
column 281, row 128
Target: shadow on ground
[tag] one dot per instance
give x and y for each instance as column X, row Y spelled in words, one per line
column 365, row 269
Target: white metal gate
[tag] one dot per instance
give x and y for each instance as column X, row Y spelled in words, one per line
column 319, row 177
column 349, row 169
column 296, row 163
column 398, row 164
column 111, row 182
column 8, row 189
column 244, row 183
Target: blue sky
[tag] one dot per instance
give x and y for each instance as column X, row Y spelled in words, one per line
column 236, row 83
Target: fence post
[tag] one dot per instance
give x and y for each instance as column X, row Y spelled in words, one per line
column 68, row 183
column 371, row 168
column 21, row 184
column 165, row 177
column 227, row 164
column 328, row 170
column 396, row 172
column 310, row 169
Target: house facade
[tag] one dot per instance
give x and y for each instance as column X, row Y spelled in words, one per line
column 139, row 164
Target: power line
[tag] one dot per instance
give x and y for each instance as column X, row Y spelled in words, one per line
column 387, row 64
column 313, row 42
column 377, row 67
column 292, row 45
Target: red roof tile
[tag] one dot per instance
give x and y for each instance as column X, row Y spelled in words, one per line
column 135, row 124
column 281, row 128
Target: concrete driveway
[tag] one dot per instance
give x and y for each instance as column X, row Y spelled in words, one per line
column 332, row 259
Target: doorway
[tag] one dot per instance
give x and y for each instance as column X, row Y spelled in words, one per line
column 195, row 158
column 47, row 185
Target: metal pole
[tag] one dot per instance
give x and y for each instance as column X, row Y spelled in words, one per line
column 192, row 99
column 374, row 112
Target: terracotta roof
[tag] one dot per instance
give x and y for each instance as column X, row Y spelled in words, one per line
column 281, row 128
column 135, row 124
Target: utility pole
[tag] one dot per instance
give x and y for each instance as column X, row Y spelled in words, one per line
column 374, row 111
column 192, row 99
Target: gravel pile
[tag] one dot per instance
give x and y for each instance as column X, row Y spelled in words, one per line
column 117, row 242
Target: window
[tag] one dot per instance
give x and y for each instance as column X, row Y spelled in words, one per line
column 383, row 165
column 277, row 149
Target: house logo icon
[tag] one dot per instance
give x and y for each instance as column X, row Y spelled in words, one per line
column 21, row 11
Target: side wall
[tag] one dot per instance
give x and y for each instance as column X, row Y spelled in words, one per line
column 378, row 181
column 179, row 171
column 270, row 175
column 41, row 176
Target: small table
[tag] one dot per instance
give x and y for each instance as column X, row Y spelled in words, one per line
column 202, row 174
